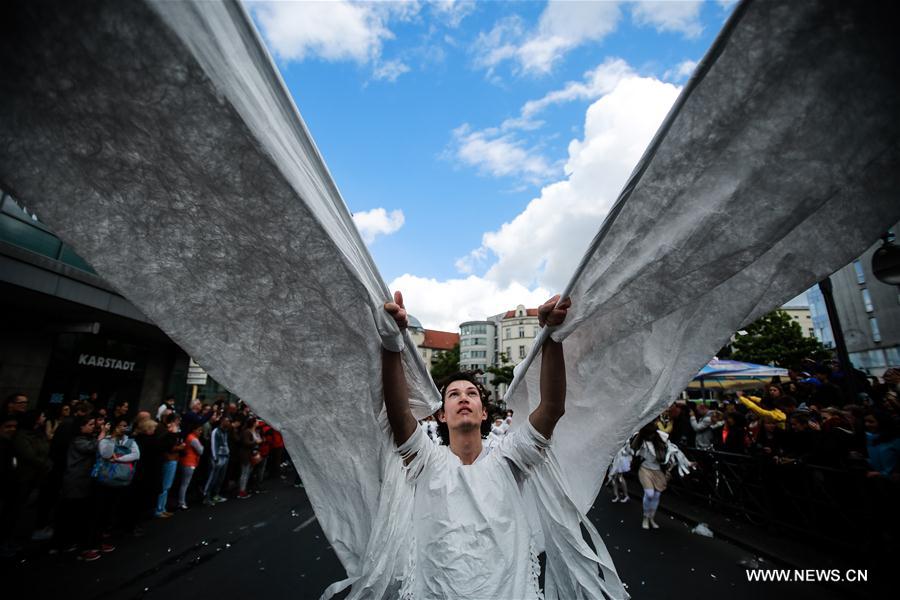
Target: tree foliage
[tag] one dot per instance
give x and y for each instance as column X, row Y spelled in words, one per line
column 776, row 339
column 445, row 364
column 502, row 374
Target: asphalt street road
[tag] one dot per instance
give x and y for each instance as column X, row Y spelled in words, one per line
column 271, row 546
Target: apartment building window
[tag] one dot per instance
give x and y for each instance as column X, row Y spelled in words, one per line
column 534, row 330
column 867, row 300
column 508, row 335
column 521, row 351
column 860, row 274
column 508, row 352
column 521, row 331
column 876, row 332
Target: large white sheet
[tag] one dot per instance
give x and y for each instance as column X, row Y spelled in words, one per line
column 778, row 164
column 172, row 158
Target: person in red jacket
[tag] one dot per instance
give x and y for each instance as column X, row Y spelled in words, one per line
column 277, row 451
column 187, row 464
column 265, row 448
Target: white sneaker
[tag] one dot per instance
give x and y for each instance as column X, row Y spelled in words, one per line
column 615, row 499
column 623, row 499
column 653, row 523
column 645, row 524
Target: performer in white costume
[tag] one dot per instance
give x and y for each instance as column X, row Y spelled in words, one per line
column 471, row 533
column 659, row 458
column 621, row 465
column 498, row 432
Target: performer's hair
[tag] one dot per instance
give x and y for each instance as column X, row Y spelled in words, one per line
column 442, row 429
column 461, row 376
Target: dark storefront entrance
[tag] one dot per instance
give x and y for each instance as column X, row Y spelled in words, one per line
column 55, row 350
column 84, row 364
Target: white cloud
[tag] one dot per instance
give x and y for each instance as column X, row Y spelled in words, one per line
column 679, row 16
column 536, row 253
column 334, row 30
column 561, row 27
column 499, row 154
column 544, row 243
column 597, row 82
column 375, row 222
column 443, row 305
column 452, row 12
column 390, row 70
column 681, row 71
column 337, row 30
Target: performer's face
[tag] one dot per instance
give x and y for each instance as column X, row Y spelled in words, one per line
column 462, row 406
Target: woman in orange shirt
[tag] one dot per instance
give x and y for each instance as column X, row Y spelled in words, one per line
column 187, row 464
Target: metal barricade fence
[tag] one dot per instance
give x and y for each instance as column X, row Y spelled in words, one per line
column 835, row 506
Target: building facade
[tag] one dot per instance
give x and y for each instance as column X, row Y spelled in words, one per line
column 515, row 333
column 802, row 317
column 869, row 311
column 476, row 347
column 66, row 334
column 431, row 343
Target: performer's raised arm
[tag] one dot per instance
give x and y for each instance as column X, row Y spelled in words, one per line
column 553, row 370
column 393, row 381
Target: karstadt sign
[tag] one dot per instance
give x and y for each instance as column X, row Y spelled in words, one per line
column 90, row 360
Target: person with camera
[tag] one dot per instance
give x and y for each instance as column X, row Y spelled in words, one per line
column 172, row 444
column 73, row 527
column 705, row 426
column 111, row 473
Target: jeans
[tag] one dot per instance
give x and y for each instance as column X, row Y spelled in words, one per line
column 246, row 469
column 168, row 476
column 187, row 473
column 260, row 471
column 216, row 477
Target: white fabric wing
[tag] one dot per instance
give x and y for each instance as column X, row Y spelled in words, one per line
column 173, row 159
column 777, row 165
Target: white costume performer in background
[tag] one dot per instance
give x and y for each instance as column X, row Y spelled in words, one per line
column 659, row 457
column 621, row 465
column 497, row 433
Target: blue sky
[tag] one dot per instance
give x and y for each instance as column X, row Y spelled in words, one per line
column 479, row 145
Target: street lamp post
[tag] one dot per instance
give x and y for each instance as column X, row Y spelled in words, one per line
column 840, row 344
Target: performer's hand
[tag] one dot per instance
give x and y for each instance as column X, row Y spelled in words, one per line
column 397, row 311
column 551, row 314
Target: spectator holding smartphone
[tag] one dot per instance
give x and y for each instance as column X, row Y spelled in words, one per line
column 172, row 445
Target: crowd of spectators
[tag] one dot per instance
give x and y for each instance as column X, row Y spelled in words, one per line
column 817, row 416
column 83, row 475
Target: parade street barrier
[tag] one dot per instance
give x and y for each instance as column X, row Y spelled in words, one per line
column 816, row 503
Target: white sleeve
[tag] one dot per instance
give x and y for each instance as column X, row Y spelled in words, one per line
column 416, row 452
column 677, row 459
column 524, row 448
column 134, row 452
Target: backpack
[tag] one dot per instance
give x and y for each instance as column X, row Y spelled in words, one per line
column 113, row 474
